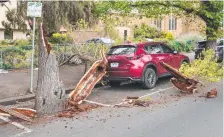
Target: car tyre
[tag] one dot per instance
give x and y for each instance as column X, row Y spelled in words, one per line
column 115, row 84
column 149, row 78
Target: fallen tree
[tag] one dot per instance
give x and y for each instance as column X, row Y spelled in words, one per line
column 180, row 81
column 89, row 80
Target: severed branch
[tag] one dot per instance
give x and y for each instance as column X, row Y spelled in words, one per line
column 67, row 60
column 82, row 57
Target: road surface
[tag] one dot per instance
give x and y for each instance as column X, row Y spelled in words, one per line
column 177, row 115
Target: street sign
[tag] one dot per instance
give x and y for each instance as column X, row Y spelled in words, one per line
column 34, row 9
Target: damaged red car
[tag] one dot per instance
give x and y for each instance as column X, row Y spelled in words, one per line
column 140, row 63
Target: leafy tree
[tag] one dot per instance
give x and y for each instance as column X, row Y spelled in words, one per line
column 211, row 12
column 54, row 14
column 145, row 31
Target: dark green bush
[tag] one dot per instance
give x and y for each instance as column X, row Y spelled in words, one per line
column 13, row 57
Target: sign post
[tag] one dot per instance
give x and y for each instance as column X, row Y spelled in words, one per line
column 33, row 10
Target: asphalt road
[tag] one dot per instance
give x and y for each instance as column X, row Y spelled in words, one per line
column 176, row 115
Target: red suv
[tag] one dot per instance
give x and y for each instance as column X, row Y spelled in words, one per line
column 140, row 63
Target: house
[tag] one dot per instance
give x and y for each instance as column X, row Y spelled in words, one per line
column 178, row 26
column 16, row 34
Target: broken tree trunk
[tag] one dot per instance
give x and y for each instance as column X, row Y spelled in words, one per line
column 50, row 94
column 180, row 81
column 89, row 80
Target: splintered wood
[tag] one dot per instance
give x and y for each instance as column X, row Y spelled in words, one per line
column 89, row 80
column 180, row 81
column 212, row 93
column 74, row 108
column 22, row 113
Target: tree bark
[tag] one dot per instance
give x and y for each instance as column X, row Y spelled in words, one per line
column 50, row 95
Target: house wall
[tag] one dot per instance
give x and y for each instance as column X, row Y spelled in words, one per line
column 18, row 35
column 121, row 30
column 1, row 34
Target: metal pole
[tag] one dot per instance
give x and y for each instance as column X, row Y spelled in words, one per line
column 31, row 77
column 171, row 24
column 1, row 58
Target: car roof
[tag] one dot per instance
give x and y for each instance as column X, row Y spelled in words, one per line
column 148, row 43
column 138, row 44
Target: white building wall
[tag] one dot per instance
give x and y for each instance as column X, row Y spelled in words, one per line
column 18, row 35
column 121, row 30
column 1, row 35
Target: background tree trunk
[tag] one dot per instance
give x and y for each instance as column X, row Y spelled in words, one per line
column 50, row 95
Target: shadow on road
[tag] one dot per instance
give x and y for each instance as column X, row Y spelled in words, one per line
column 137, row 86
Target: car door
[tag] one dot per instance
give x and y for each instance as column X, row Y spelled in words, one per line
column 155, row 51
column 175, row 59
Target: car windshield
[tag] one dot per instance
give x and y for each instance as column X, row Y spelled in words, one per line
column 106, row 40
column 122, row 50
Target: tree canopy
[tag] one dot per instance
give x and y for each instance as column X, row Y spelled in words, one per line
column 54, row 14
column 211, row 12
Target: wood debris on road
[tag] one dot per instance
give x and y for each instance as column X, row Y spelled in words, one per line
column 180, row 81
column 212, row 93
column 22, row 113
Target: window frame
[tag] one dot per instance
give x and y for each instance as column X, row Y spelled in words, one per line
column 174, row 23
column 157, row 44
column 164, row 45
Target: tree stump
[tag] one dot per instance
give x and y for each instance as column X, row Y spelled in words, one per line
column 50, row 94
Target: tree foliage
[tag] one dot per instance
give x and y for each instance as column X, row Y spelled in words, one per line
column 209, row 11
column 207, row 69
column 54, row 14
column 145, row 31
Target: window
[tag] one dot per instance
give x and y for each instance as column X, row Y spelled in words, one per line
column 153, row 49
column 166, row 49
column 122, row 50
column 158, row 23
column 125, row 35
column 8, row 34
column 172, row 23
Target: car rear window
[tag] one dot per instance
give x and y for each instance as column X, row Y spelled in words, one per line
column 122, row 50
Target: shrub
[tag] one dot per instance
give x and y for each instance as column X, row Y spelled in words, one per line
column 22, row 42
column 169, row 36
column 7, row 42
column 207, row 69
column 60, row 38
column 14, row 57
column 145, row 31
column 191, row 39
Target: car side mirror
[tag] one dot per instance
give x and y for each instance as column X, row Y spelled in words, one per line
column 175, row 52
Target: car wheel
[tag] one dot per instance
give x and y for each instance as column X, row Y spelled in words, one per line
column 115, row 84
column 149, row 78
